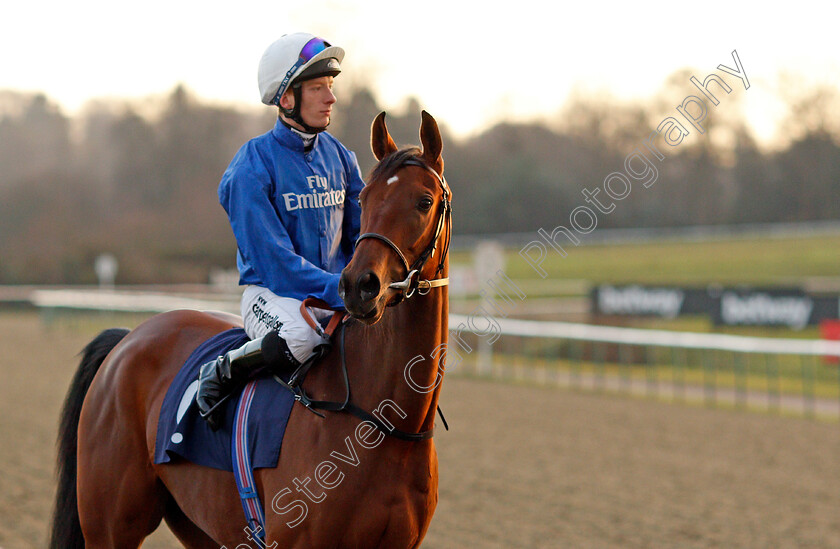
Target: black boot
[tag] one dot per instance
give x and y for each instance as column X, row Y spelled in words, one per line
column 217, row 379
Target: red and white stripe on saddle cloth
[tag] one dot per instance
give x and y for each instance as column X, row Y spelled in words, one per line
column 240, row 453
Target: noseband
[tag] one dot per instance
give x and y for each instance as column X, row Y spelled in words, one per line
column 413, row 283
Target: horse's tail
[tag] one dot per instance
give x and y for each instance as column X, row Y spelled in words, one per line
column 66, row 528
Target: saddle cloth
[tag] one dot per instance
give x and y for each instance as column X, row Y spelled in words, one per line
column 182, row 433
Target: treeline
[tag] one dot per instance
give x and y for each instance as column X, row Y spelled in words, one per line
column 138, row 180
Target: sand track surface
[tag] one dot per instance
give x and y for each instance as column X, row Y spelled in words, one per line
column 522, row 466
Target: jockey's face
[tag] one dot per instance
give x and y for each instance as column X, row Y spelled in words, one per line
column 316, row 99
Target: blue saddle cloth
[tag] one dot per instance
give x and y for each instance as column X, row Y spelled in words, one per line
column 183, row 433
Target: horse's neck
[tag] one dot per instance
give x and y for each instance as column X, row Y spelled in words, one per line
column 401, row 357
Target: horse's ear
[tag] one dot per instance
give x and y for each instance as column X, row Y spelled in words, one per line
column 432, row 143
column 380, row 140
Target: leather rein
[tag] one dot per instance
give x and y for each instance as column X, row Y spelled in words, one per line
column 411, row 285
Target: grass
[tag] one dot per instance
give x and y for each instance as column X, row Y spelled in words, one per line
column 89, row 322
column 779, row 261
column 742, row 260
column 770, row 261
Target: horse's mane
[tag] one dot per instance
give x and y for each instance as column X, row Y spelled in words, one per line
column 388, row 165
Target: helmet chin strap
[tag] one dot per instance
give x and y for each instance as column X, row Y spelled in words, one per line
column 294, row 113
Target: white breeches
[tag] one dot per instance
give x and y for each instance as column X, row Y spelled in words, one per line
column 263, row 311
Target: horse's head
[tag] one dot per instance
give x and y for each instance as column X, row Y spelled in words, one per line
column 405, row 225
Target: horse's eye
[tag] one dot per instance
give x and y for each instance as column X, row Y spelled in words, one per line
column 425, row 204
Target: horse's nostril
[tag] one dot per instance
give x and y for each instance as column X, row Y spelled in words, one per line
column 368, row 286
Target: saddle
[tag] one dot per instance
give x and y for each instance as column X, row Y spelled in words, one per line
column 183, row 434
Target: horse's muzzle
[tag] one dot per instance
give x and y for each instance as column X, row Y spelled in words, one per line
column 360, row 296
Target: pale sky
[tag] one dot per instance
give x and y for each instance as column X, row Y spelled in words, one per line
column 468, row 63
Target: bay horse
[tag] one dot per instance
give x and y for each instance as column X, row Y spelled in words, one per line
column 337, row 483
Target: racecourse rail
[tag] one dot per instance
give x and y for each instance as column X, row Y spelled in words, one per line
column 778, row 375
column 660, row 338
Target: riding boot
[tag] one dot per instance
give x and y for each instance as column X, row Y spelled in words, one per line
column 218, row 378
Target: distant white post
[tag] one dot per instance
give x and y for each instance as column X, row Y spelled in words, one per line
column 489, row 258
column 106, row 267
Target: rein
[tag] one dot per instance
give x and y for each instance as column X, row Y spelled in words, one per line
column 333, row 406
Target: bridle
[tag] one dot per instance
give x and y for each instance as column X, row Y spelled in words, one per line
column 408, row 287
column 412, row 282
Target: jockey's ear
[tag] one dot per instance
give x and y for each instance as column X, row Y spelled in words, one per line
column 287, row 100
column 380, row 140
column 432, row 143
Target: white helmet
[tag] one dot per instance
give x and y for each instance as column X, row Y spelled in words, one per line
column 291, row 55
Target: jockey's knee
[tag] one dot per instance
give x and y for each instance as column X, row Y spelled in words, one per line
column 301, row 339
column 276, row 353
column 264, row 312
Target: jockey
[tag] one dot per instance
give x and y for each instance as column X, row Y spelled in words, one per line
column 292, row 199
